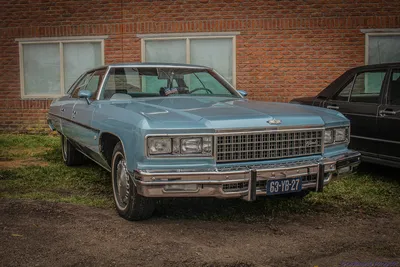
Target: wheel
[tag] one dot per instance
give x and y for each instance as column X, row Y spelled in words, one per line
column 129, row 204
column 71, row 156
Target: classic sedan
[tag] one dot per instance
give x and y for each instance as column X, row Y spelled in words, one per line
column 369, row 96
column 169, row 130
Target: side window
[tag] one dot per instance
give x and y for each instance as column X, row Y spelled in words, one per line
column 81, row 84
column 344, row 94
column 367, row 87
column 90, row 82
column 394, row 88
column 74, row 85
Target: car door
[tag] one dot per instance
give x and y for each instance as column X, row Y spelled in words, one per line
column 389, row 120
column 359, row 100
column 82, row 113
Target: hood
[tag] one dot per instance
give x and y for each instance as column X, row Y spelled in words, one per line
column 217, row 112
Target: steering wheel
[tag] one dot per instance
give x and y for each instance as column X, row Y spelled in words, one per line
column 201, row 88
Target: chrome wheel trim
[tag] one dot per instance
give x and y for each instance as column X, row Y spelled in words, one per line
column 121, row 182
column 64, row 148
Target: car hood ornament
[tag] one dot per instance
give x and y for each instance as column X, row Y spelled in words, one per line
column 274, row 121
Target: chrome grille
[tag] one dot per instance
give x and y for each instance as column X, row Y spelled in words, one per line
column 268, row 145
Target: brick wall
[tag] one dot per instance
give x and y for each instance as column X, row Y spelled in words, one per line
column 285, row 49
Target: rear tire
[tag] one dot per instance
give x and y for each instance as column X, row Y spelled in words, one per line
column 71, row 156
column 129, row 204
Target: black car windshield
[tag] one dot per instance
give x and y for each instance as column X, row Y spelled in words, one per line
column 153, row 81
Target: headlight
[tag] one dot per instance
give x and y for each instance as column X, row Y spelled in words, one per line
column 328, row 138
column 159, row 146
column 191, row 145
column 180, row 146
column 336, row 135
column 340, row 135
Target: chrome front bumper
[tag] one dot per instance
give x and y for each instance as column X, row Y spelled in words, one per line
column 245, row 182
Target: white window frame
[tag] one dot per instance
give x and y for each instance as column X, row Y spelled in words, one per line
column 54, row 40
column 189, row 36
column 376, row 32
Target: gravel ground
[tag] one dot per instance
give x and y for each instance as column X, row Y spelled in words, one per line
column 36, row 233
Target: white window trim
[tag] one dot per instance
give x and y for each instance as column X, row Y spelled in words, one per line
column 53, row 40
column 187, row 37
column 376, row 32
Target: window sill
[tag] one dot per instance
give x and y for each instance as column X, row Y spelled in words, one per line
column 40, row 97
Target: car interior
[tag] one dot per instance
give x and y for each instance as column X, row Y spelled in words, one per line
column 117, row 84
column 128, row 82
column 125, row 83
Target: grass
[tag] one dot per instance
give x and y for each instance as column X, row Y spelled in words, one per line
column 47, row 178
column 31, row 167
column 362, row 194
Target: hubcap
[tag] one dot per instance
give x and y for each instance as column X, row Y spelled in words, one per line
column 121, row 184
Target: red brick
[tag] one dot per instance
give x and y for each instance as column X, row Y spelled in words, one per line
column 286, row 48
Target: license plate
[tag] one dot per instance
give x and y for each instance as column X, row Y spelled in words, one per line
column 283, row 186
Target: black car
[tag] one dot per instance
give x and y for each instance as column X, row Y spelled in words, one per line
column 369, row 96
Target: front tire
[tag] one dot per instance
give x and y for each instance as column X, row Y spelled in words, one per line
column 71, row 156
column 129, row 204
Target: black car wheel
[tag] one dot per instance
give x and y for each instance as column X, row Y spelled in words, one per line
column 71, row 156
column 129, row 204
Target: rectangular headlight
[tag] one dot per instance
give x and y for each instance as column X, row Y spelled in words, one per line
column 159, row 145
column 180, row 145
column 340, row 134
column 328, row 138
column 191, row 145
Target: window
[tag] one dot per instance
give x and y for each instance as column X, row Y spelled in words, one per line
column 163, row 81
column 49, row 67
column 394, row 88
column 365, row 88
column 217, row 51
column 344, row 94
column 382, row 47
column 90, row 82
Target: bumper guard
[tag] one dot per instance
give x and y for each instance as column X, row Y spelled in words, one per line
column 245, row 182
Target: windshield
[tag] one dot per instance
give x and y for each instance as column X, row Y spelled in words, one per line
column 147, row 82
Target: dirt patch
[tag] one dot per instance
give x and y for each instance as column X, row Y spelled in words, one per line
column 51, row 234
column 17, row 163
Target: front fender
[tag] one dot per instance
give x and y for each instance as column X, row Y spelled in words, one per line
column 127, row 126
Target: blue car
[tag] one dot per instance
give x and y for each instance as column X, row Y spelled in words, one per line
column 175, row 130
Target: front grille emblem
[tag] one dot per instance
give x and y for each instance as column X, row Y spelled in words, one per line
column 311, row 143
column 274, row 121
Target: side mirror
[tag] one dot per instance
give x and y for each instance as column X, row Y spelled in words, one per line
column 86, row 94
column 242, row 92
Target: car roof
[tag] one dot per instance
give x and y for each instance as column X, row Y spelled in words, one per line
column 333, row 86
column 150, row 65
column 375, row 66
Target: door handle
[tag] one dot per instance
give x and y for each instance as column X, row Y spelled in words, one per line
column 62, row 110
column 387, row 112
column 332, row 107
column 74, row 112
